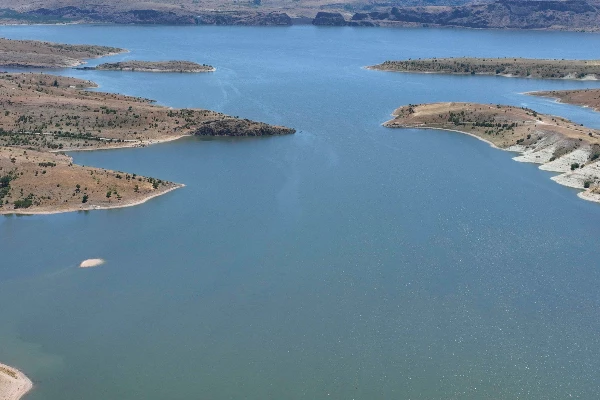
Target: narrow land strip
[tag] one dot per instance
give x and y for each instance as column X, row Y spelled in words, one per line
column 581, row 97
column 154, row 66
column 36, row 54
column 507, row 67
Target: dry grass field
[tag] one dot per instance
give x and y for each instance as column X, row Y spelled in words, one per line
column 510, row 67
column 41, row 115
column 33, row 53
column 581, row 97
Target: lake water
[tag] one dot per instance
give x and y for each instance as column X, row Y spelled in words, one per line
column 347, row 261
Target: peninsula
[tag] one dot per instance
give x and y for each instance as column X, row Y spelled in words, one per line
column 155, row 66
column 508, row 67
column 13, row 383
column 36, row 54
column 581, row 97
column 43, row 115
column 557, row 143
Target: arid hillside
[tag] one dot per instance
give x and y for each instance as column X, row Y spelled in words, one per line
column 33, row 53
column 513, row 14
column 581, row 97
column 48, row 112
column 42, row 115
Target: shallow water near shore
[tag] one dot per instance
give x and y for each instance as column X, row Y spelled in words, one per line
column 345, row 261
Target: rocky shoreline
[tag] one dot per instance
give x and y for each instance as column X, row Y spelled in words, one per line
column 558, row 144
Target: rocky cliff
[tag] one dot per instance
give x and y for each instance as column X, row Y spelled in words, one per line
column 243, row 18
column 329, row 19
column 514, row 14
column 103, row 14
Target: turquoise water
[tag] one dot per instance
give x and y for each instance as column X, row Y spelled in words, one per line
column 348, row 261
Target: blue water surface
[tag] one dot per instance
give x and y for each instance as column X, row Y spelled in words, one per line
column 347, row 261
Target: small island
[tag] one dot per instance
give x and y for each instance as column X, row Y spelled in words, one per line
column 557, row 143
column 507, row 67
column 155, row 66
column 581, row 97
column 13, row 383
column 36, row 54
column 43, row 115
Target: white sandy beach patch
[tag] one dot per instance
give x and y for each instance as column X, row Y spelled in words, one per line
column 92, row 262
column 13, row 383
column 538, row 155
column 577, row 178
column 563, row 164
column 590, row 196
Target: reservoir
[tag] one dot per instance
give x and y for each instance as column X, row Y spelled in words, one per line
column 347, row 261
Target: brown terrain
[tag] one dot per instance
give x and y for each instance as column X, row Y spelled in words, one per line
column 41, row 182
column 557, row 143
column 32, row 53
column 41, row 114
column 155, row 66
column 510, row 67
column 568, row 15
column 500, row 14
column 581, row 97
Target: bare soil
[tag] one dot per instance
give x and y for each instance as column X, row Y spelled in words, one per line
column 581, row 97
column 36, row 54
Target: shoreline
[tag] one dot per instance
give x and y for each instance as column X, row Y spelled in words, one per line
column 93, row 208
column 566, row 78
column 448, row 130
column 14, row 383
column 155, row 70
column 126, row 145
column 582, row 193
column 558, row 100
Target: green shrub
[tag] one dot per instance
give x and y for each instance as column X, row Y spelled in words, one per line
column 23, row 203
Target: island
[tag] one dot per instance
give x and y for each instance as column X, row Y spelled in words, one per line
column 556, row 143
column 581, row 97
column 154, row 66
column 36, row 54
column 42, row 116
column 13, row 383
column 507, row 67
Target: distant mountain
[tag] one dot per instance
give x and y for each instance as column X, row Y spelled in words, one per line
column 514, row 14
